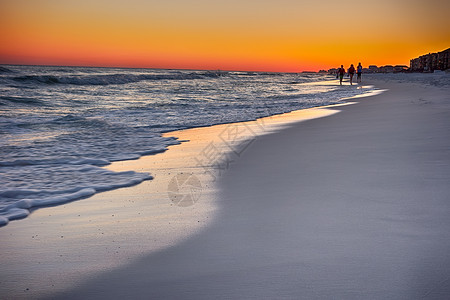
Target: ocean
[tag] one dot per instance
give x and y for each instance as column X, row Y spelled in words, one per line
column 60, row 125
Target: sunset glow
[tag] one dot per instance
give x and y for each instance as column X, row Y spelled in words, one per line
column 283, row 35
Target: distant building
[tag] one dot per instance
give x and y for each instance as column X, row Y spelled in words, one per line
column 430, row 62
column 443, row 60
column 386, row 69
column 400, row 68
column 332, row 71
column 373, row 69
column 416, row 64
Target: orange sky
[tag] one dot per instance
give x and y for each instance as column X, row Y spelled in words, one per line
column 262, row 35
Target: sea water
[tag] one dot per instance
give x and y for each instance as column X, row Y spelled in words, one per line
column 60, row 125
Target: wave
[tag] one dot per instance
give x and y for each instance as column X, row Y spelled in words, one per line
column 80, row 121
column 5, row 70
column 32, row 198
column 19, row 100
column 110, row 79
column 73, row 160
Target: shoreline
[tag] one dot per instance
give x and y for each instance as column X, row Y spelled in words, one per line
column 124, row 224
column 246, row 244
column 349, row 206
column 21, row 209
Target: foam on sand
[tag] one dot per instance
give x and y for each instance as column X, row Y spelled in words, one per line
column 19, row 201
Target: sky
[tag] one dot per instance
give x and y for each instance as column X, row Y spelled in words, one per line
column 254, row 35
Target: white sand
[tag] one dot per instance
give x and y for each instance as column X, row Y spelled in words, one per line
column 351, row 206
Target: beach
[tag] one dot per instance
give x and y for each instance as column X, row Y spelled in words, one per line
column 339, row 202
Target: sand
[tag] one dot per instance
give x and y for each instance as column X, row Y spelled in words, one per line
column 351, row 205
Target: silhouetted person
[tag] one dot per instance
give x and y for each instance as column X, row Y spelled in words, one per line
column 351, row 72
column 358, row 72
column 341, row 72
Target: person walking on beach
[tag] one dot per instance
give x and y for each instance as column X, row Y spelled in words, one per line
column 351, row 72
column 341, row 72
column 358, row 72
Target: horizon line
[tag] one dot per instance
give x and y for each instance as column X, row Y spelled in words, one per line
column 150, row 68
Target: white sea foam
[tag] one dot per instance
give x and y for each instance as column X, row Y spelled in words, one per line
column 22, row 200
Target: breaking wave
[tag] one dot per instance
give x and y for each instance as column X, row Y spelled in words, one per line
column 112, row 78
